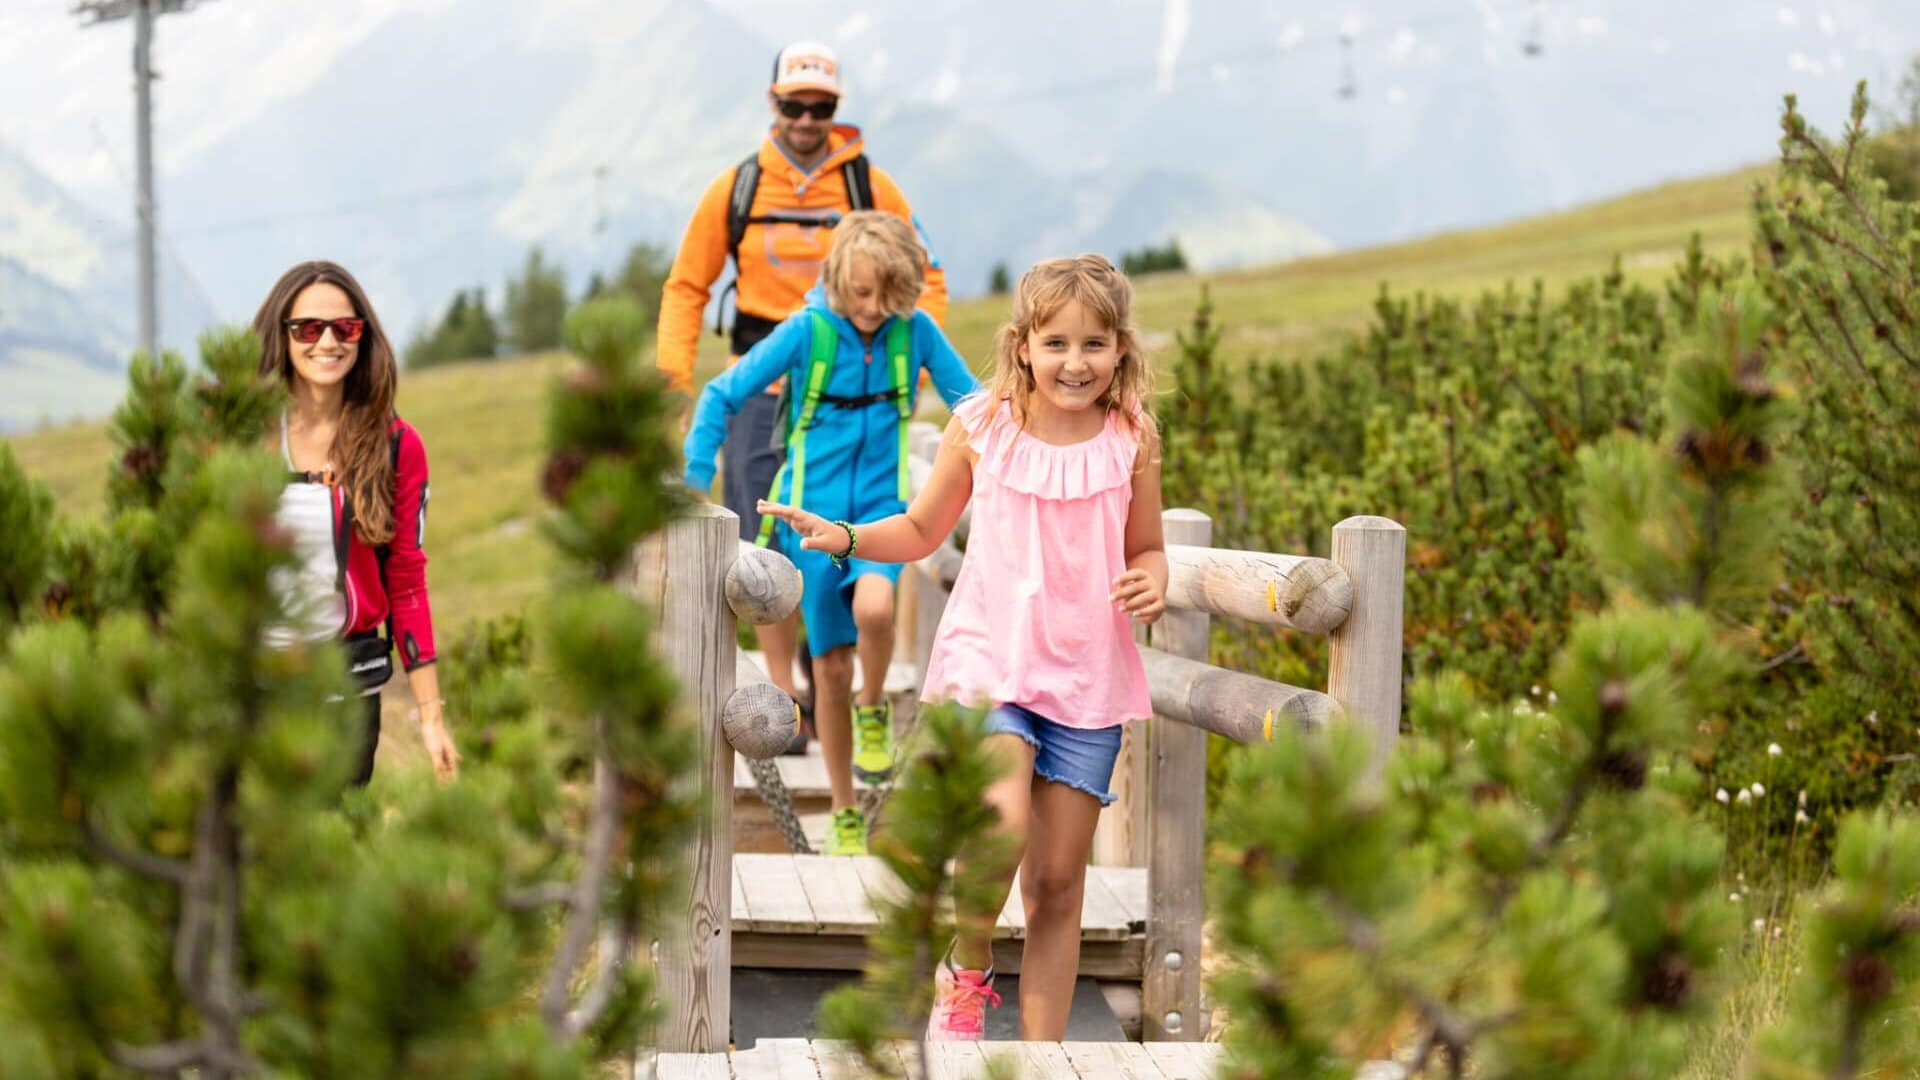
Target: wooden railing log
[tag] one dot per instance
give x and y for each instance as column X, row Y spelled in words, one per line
column 763, row 587
column 1295, row 591
column 1241, row 707
column 759, row 717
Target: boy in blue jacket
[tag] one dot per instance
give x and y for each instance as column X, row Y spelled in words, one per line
column 852, row 359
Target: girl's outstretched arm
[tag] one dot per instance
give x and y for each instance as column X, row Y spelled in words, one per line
column 907, row 537
column 1142, row 589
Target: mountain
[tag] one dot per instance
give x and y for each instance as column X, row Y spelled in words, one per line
column 67, row 301
column 584, row 127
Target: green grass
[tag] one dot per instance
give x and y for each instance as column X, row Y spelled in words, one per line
column 484, row 423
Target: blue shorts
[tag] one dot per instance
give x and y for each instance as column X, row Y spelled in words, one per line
column 826, row 593
column 1080, row 758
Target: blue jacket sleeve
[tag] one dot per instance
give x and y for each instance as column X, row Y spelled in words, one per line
column 950, row 374
column 728, row 391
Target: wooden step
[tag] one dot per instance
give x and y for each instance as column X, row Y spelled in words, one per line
column 822, row 1059
column 816, row 911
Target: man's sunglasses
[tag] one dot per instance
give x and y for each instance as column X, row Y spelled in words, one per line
column 794, row 109
column 308, row 331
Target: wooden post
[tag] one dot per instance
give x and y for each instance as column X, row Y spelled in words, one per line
column 685, row 573
column 1176, row 832
column 1120, row 838
column 1364, row 667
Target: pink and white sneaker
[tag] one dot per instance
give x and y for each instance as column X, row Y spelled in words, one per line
column 960, row 1000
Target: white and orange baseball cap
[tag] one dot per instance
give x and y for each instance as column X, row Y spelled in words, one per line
column 806, row 65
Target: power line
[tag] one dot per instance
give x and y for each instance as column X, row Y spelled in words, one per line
column 1058, row 89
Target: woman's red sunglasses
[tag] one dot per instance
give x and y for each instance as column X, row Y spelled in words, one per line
column 308, row 331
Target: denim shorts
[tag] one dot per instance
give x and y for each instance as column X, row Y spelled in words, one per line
column 1080, row 758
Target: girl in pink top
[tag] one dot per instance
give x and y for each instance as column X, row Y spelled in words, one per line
column 1062, row 463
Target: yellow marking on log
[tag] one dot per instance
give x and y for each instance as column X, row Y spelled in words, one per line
column 1273, row 596
column 1266, row 726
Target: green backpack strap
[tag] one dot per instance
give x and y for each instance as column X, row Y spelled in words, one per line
column 897, row 345
column 826, row 342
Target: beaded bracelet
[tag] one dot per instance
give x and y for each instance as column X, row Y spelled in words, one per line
column 853, row 541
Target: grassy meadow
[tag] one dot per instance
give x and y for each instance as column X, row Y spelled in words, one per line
column 484, row 422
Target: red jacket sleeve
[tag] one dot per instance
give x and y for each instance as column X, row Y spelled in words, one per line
column 409, row 615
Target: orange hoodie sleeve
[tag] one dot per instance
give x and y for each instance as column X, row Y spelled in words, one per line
column 696, row 266
column 887, row 196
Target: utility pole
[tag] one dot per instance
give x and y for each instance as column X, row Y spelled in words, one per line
column 142, row 12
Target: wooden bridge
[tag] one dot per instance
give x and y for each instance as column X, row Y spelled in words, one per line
column 1144, row 908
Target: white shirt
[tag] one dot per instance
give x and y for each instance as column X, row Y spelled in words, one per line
column 308, row 591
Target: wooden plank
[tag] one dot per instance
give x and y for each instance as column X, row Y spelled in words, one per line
column 755, row 1063
column 1112, row 1061
column 1363, row 664
column 954, row 1061
column 1037, row 1060
column 1185, row 1061
column 1013, row 914
column 805, row 775
column 1130, row 887
column 848, row 952
column 1100, row 910
column 880, row 882
column 838, row 1060
column 741, row 913
column 774, row 895
column 793, row 1059
column 1176, row 832
column 836, row 894
column 691, row 1067
column 680, row 573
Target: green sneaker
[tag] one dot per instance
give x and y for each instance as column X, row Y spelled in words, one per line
column 873, row 742
column 847, row 834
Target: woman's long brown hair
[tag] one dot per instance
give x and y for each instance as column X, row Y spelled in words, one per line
column 362, row 448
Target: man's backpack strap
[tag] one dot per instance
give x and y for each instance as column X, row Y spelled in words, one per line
column 746, row 182
column 858, row 174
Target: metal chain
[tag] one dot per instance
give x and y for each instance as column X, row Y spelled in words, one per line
column 773, row 792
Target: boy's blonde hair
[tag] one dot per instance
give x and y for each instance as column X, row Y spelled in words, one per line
column 890, row 244
column 1107, row 295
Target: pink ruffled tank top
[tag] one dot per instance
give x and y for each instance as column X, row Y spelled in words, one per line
column 1029, row 621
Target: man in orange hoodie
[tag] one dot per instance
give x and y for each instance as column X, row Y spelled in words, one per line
column 773, row 215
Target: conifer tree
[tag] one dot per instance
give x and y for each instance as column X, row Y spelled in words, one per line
column 1842, row 264
column 1525, row 893
column 936, row 813
column 188, row 892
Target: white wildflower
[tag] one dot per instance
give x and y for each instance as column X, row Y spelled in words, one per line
column 1759, row 925
column 1536, row 690
column 1803, row 796
column 1773, row 750
column 1759, row 789
column 1720, row 795
column 1745, row 796
column 1733, row 898
column 1801, row 816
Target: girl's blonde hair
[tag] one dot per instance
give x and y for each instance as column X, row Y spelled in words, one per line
column 1107, row 295
column 890, row 245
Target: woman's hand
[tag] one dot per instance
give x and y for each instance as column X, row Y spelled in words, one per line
column 1140, row 595
column 438, row 741
column 816, row 533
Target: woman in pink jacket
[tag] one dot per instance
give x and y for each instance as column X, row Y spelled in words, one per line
column 356, row 497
